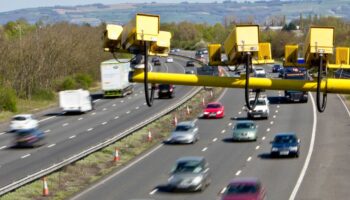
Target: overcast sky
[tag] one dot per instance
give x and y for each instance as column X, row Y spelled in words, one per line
column 7, row 5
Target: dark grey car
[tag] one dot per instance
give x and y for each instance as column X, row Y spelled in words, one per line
column 189, row 174
column 185, row 132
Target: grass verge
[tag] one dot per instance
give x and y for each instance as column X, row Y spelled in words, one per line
column 73, row 178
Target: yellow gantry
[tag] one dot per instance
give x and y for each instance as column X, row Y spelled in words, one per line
column 333, row 85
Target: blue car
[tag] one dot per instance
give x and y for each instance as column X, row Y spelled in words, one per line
column 285, row 144
column 29, row 138
column 276, row 68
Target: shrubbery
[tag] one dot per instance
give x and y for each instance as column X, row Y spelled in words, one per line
column 8, row 100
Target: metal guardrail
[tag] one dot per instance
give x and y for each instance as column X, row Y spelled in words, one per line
column 76, row 157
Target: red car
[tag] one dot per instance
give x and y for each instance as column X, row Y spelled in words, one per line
column 215, row 110
column 244, row 189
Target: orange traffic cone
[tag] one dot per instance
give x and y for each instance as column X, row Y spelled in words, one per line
column 116, row 155
column 188, row 110
column 45, row 188
column 149, row 137
column 175, row 120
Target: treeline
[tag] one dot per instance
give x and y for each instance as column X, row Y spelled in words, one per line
column 37, row 60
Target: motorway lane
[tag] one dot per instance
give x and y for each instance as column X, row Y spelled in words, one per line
column 328, row 174
column 226, row 159
column 69, row 137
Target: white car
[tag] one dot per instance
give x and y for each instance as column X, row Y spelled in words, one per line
column 259, row 72
column 261, row 109
column 23, row 121
column 169, row 60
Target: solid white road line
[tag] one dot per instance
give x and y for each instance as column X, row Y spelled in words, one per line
column 238, row 172
column 346, row 108
column 27, row 155
column 309, row 153
column 204, row 149
column 122, row 101
column 117, row 173
column 73, row 136
column 51, row 145
column 3, row 147
column 90, row 129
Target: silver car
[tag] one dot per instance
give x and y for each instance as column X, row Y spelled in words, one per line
column 189, row 174
column 185, row 132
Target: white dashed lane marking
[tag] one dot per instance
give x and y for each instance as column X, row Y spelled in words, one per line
column 271, row 122
column 104, row 123
column 27, row 155
column 73, row 136
column 268, row 129
column 205, row 148
column 276, row 111
column 230, row 124
column 274, row 116
column 80, row 118
column 114, row 105
column 153, row 192
column 3, row 147
column 238, row 172
column 223, row 131
column 137, row 108
column 2, row 133
column 249, row 158
column 47, row 131
column 116, row 117
column 214, row 140
column 93, row 113
column 239, row 112
column 104, row 109
column 257, row 147
column 51, row 145
column 122, row 101
column 263, row 138
column 65, row 124
column 127, row 112
column 90, row 129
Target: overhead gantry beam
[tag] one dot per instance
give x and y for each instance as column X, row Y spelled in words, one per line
column 333, row 85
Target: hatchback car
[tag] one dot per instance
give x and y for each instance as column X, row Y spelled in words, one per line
column 166, row 91
column 285, row 144
column 23, row 121
column 214, row 110
column 29, row 138
column 190, row 63
column 169, row 60
column 156, row 61
column 185, row 132
column 259, row 72
column 244, row 188
column 245, row 130
column 276, row 68
column 189, row 174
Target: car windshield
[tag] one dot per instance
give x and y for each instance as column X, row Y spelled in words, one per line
column 259, row 69
column 285, row 139
column 164, row 87
column 259, row 103
column 245, row 126
column 183, row 128
column 19, row 118
column 213, row 106
column 192, row 166
column 242, row 189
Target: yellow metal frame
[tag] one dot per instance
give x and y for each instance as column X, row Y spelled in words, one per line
column 112, row 37
column 333, row 85
column 162, row 46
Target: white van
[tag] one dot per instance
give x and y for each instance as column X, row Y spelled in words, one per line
column 75, row 100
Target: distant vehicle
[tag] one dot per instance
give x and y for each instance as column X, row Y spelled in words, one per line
column 190, row 63
column 177, row 50
column 293, row 95
column 259, row 72
column 204, row 51
column 115, row 78
column 261, row 109
column 75, row 100
column 276, row 68
column 189, row 174
column 172, row 50
column 185, row 132
column 189, row 72
column 208, row 70
column 166, row 90
column 281, row 73
column 156, row 61
column 199, row 55
column 23, row 122
column 169, row 60
column 245, row 130
column 29, row 138
column 285, row 144
column 214, row 110
column 244, row 189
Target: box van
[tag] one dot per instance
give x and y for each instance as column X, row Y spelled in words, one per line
column 75, row 100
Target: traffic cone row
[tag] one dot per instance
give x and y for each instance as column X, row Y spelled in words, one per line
column 45, row 187
column 116, row 155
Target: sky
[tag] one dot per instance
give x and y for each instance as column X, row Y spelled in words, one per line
column 8, row 5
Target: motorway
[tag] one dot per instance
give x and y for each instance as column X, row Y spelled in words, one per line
column 321, row 171
column 68, row 135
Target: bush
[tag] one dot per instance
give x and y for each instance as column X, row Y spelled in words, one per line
column 83, row 81
column 8, row 100
column 43, row 94
column 68, row 83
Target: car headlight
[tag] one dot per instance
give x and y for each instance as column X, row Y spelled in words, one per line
column 219, row 112
column 206, row 113
column 197, row 180
column 305, row 95
column 274, row 149
column 293, row 148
